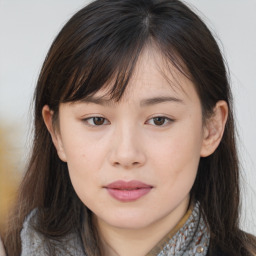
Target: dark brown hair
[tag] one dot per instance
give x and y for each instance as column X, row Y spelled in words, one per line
column 101, row 44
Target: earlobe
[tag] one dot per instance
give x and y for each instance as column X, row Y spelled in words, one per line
column 56, row 138
column 214, row 129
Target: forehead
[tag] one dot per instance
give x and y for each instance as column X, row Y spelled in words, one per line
column 153, row 76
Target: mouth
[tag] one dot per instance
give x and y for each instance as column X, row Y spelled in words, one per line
column 128, row 191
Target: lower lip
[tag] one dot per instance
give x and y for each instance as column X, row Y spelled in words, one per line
column 128, row 195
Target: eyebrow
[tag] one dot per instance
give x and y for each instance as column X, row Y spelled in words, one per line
column 157, row 100
column 143, row 103
column 98, row 101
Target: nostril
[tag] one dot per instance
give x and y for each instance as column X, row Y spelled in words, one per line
column 126, row 165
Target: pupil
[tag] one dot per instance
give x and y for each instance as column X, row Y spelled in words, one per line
column 159, row 120
column 98, row 120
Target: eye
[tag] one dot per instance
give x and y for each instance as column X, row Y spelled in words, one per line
column 96, row 121
column 159, row 121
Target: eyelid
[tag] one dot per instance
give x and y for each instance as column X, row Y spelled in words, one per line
column 86, row 121
column 168, row 119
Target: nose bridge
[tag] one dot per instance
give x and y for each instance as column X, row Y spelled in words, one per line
column 127, row 148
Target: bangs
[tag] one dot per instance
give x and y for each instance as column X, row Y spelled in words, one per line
column 99, row 48
column 114, row 71
column 102, row 70
column 100, row 51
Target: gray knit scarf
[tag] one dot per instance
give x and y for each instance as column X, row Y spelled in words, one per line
column 190, row 237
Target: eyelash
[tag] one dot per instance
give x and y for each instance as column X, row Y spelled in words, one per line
column 87, row 121
column 106, row 122
column 166, row 120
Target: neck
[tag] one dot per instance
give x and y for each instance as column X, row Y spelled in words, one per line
column 125, row 242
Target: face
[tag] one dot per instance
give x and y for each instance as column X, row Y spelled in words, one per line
column 133, row 163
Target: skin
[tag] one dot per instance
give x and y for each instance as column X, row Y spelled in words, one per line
column 130, row 145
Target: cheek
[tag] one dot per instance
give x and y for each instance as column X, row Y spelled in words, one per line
column 86, row 155
column 177, row 156
column 176, row 170
column 84, row 158
column 82, row 148
column 83, row 166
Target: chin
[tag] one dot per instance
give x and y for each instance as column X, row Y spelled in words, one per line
column 132, row 220
column 130, row 224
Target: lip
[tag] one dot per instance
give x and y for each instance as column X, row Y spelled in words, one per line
column 128, row 191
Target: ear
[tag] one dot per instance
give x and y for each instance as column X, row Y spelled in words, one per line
column 214, row 128
column 55, row 134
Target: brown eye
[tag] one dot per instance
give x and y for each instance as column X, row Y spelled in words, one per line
column 159, row 120
column 98, row 120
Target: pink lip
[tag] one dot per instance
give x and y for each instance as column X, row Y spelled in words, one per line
column 128, row 191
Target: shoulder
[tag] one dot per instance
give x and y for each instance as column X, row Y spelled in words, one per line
column 2, row 252
column 35, row 243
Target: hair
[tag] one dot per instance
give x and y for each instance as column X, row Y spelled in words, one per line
column 100, row 45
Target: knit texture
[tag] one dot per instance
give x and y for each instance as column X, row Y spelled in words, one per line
column 189, row 238
column 34, row 243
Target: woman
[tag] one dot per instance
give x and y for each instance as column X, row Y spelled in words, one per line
column 134, row 150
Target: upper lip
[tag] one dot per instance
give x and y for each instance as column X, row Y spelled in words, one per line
column 127, row 185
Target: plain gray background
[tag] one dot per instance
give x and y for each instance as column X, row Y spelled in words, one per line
column 27, row 28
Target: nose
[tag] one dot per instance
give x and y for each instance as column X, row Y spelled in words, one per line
column 127, row 149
